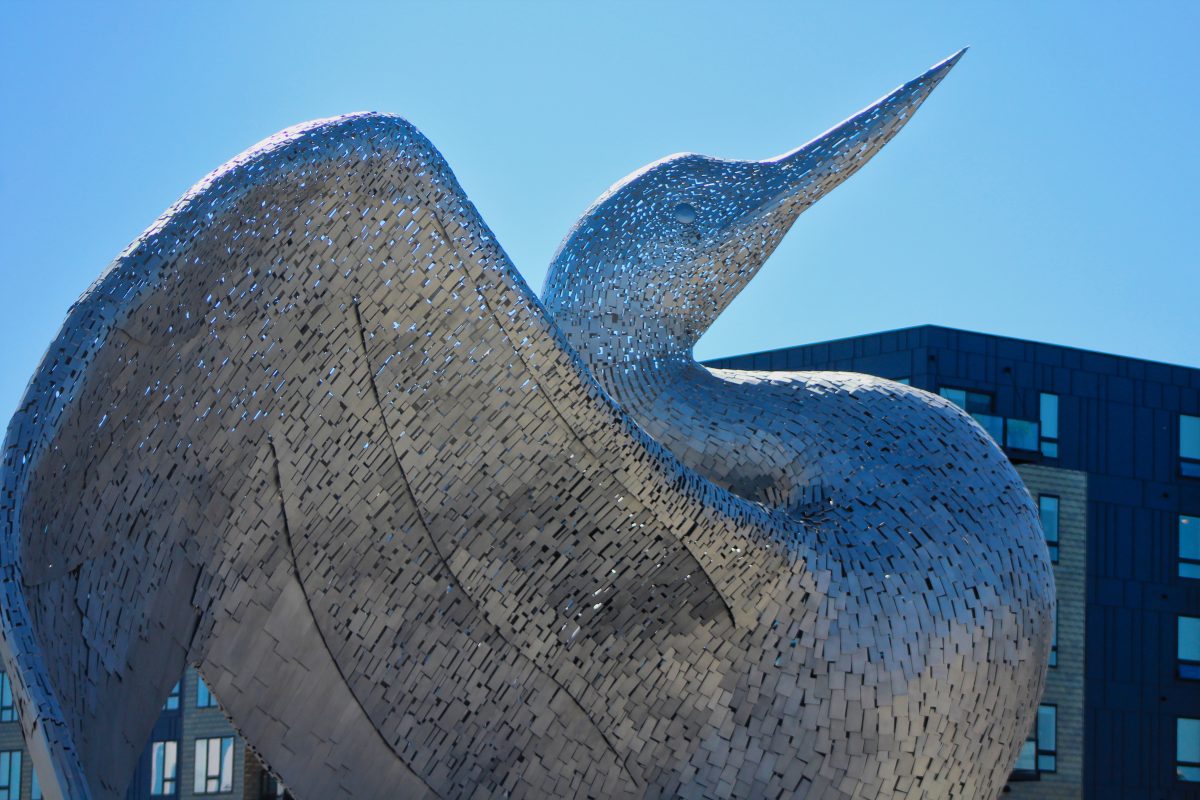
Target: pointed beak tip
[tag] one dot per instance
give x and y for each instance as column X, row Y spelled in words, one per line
column 939, row 70
column 945, row 64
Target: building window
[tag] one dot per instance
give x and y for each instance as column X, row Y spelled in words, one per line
column 214, row 765
column 10, row 775
column 172, row 703
column 1021, row 434
column 1048, row 511
column 8, row 709
column 971, row 402
column 1189, row 546
column 1189, row 446
column 204, row 698
column 164, row 768
column 1188, row 648
column 1054, row 638
column 1187, row 749
column 1047, row 738
column 1048, row 417
column 978, row 405
column 35, row 787
column 1040, row 752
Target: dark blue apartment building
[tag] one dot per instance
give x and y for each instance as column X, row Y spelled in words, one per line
column 1110, row 448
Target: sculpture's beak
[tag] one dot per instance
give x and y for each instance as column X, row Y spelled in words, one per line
column 819, row 166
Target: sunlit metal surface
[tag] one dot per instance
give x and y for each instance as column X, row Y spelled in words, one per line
column 425, row 536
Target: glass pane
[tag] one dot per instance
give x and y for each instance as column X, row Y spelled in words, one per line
column 172, row 699
column 1053, row 554
column 10, row 775
column 227, row 764
column 1189, row 638
column 8, row 709
column 1189, row 538
column 1189, row 570
column 201, row 768
column 1190, row 469
column 1189, row 436
column 956, row 396
column 35, row 791
column 1050, row 449
column 1187, row 740
column 156, row 768
column 1047, row 763
column 993, row 425
column 1022, row 434
column 1049, row 415
column 1028, row 759
column 1047, row 723
column 1191, row 774
column 979, row 403
column 204, row 698
column 1048, row 511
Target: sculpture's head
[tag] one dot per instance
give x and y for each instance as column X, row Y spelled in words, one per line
column 660, row 255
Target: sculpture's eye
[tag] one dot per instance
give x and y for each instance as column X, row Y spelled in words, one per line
column 685, row 213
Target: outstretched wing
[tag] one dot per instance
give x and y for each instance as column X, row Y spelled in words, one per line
column 313, row 433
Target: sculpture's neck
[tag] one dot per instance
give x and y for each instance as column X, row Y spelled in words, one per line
column 634, row 357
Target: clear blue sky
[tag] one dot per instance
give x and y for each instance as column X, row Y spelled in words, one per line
column 1047, row 190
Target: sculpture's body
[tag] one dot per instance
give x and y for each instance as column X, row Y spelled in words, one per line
column 314, row 434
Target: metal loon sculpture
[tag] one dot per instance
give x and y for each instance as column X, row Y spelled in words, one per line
column 426, row 536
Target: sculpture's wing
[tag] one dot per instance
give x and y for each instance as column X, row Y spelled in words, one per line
column 313, row 433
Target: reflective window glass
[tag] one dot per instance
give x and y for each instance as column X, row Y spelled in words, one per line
column 172, row 703
column 1188, row 647
column 204, row 697
column 164, row 767
column 8, row 708
column 1189, row 546
column 1187, row 749
column 1189, row 445
column 1047, row 738
column 214, row 765
column 1022, row 434
column 1048, row 416
column 10, row 775
column 1048, row 511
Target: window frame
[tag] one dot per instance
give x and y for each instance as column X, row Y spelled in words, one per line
column 1179, row 762
column 1052, row 546
column 8, row 704
column 162, row 784
column 1187, row 669
column 1019, row 773
column 10, row 783
column 1183, row 561
column 1047, row 752
column 1189, row 465
column 175, row 698
column 1047, row 444
column 204, row 696
column 206, row 781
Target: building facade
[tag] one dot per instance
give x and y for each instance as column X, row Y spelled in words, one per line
column 193, row 752
column 1109, row 448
